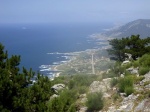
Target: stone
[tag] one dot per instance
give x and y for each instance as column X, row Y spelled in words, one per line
column 83, row 109
column 54, row 96
column 58, row 87
column 129, row 107
column 122, row 75
column 129, row 56
column 100, row 86
column 133, row 70
column 106, row 95
column 140, row 106
column 125, row 62
column 123, row 94
column 111, row 109
column 147, row 86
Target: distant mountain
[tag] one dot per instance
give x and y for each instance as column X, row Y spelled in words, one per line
column 140, row 26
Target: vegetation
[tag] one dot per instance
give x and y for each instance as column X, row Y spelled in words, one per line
column 63, row 103
column 19, row 93
column 126, row 85
column 114, row 82
column 16, row 93
column 133, row 45
column 95, row 101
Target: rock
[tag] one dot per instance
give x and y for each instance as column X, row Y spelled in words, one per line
column 123, row 94
column 143, row 106
column 147, row 86
column 54, row 96
column 100, row 86
column 125, row 62
column 82, row 98
column 129, row 107
column 127, row 104
column 83, row 109
column 111, row 109
column 140, row 106
column 122, row 75
column 133, row 70
column 129, row 56
column 106, row 95
column 58, row 87
column 146, row 79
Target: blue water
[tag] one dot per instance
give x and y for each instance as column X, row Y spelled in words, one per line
column 33, row 42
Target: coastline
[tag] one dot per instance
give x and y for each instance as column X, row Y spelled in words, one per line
column 78, row 60
column 75, row 62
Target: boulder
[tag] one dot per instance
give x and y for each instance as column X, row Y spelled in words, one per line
column 100, row 86
column 143, row 106
column 58, row 87
column 125, row 62
column 129, row 56
column 54, row 96
column 133, row 70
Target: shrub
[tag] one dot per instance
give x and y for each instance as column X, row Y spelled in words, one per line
column 113, row 82
column 144, row 70
column 128, row 65
column 126, row 85
column 136, row 63
column 109, row 75
column 83, row 89
column 144, row 60
column 95, row 101
column 129, row 90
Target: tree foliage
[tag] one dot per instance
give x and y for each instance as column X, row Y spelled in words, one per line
column 133, row 45
column 16, row 94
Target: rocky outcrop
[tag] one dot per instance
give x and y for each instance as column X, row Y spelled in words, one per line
column 126, row 105
column 57, row 87
column 133, row 70
column 144, row 106
column 54, row 96
column 125, row 62
column 100, row 86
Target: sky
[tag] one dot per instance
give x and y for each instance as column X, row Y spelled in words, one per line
column 73, row 11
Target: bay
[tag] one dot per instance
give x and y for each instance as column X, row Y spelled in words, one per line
column 34, row 41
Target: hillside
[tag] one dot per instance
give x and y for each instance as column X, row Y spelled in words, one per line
column 140, row 26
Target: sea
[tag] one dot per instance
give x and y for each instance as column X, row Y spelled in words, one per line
column 43, row 45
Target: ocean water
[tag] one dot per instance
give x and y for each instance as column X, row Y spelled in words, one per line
column 34, row 42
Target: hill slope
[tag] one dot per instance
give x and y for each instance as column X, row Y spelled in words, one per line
column 140, row 26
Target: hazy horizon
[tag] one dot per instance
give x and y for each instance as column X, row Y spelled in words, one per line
column 72, row 11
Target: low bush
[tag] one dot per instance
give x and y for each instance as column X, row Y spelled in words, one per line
column 83, row 89
column 126, row 85
column 144, row 70
column 136, row 63
column 95, row 101
column 144, row 60
column 129, row 90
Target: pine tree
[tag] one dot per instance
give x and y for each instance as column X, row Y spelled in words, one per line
column 16, row 94
column 133, row 45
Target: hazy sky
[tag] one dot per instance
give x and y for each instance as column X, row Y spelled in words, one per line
column 73, row 11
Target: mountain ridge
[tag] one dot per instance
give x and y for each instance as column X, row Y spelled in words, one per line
column 139, row 26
